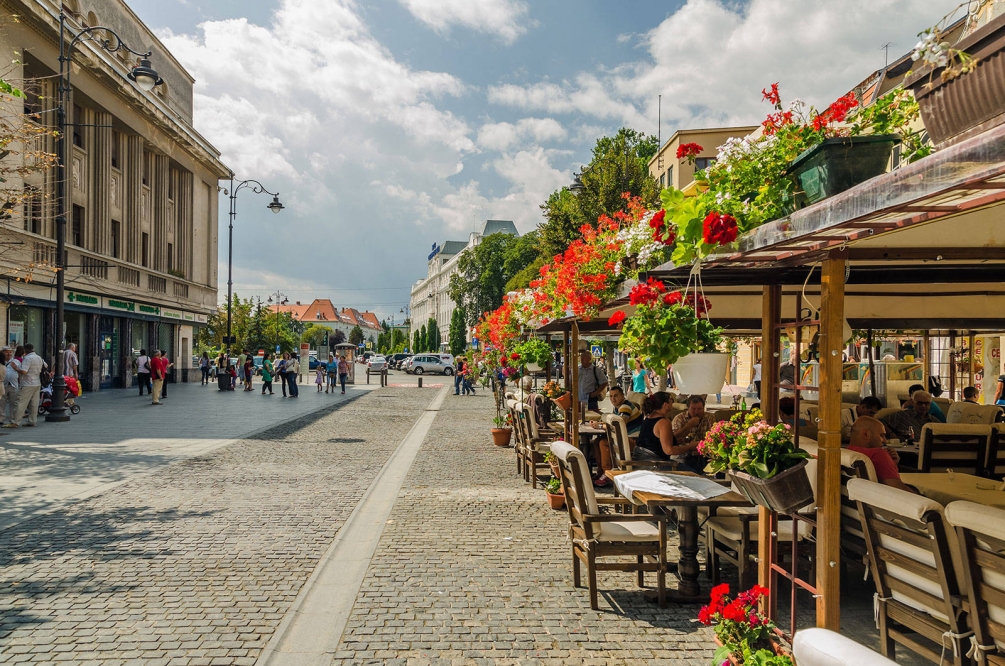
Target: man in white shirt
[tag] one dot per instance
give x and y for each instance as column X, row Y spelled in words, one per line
column 70, row 361
column 869, row 406
column 757, row 378
column 11, row 381
column 31, row 383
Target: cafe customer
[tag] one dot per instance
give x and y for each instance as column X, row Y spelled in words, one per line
column 691, row 426
column 868, row 437
column 908, row 422
column 868, row 406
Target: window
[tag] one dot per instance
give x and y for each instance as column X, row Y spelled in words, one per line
column 144, row 250
column 170, row 257
column 115, row 238
column 703, row 163
column 146, row 168
column 33, row 210
column 171, row 185
column 78, row 120
column 670, row 177
column 115, row 149
column 77, row 232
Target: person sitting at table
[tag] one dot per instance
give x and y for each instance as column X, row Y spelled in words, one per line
column 632, row 416
column 657, row 441
column 914, row 416
column 970, row 395
column 868, row 406
column 933, row 408
column 787, row 411
column 692, row 425
column 868, row 437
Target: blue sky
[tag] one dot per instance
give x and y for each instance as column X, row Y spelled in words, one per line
column 388, row 125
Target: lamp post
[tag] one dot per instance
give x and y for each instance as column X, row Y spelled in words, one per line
column 275, row 206
column 407, row 311
column 281, row 299
column 146, row 79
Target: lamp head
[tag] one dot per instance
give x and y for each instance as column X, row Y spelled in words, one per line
column 145, row 76
column 275, row 206
column 577, row 185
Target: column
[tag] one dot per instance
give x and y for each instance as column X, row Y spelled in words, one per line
column 183, row 233
column 89, row 346
column 132, row 207
column 125, row 352
column 161, row 172
column 829, row 442
column 771, row 314
column 101, row 195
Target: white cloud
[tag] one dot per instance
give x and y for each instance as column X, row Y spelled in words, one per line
column 506, row 19
column 502, row 136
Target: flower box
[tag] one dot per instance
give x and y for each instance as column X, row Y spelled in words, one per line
column 968, row 104
column 556, row 500
column 785, row 492
column 700, row 374
column 840, row 163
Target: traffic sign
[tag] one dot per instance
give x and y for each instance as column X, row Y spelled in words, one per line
column 597, row 351
column 278, row 349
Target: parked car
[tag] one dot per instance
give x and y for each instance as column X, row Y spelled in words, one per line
column 313, row 362
column 376, row 362
column 258, row 361
column 394, row 360
column 421, row 364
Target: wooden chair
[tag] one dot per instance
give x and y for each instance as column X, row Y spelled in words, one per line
column 854, row 465
column 512, row 407
column 725, row 414
column 595, row 535
column 621, row 451
column 916, row 571
column 823, row 647
column 981, row 534
column 956, row 446
column 535, row 446
column 994, row 461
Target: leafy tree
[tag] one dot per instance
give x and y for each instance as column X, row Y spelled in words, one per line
column 458, row 331
column 483, row 271
column 356, row 335
column 521, row 280
column 433, row 337
column 416, row 342
column 398, row 341
column 314, row 334
column 423, row 340
column 338, row 338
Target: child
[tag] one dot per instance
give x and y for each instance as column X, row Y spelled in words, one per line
column 319, row 376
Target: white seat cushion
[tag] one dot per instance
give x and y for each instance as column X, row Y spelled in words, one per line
column 822, row 647
column 730, row 527
column 629, row 531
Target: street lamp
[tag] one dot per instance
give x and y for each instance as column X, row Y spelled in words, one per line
column 577, row 186
column 281, row 299
column 146, row 79
column 275, row 206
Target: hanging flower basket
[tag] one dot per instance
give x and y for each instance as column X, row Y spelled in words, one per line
column 701, row 374
column 534, row 367
column 840, row 163
column 564, row 401
column 785, row 492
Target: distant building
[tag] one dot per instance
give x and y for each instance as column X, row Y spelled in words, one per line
column 322, row 311
column 678, row 174
column 430, row 296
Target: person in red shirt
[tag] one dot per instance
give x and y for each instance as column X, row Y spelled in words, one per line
column 868, row 437
column 158, row 372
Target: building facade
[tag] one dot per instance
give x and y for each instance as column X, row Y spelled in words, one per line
column 142, row 205
column 678, row 174
column 431, row 296
column 322, row 312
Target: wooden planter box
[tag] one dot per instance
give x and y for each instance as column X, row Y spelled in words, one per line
column 969, row 104
column 839, row 164
column 785, row 492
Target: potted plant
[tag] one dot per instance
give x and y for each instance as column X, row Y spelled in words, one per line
column 556, row 496
column 744, row 635
column 671, row 328
column 557, row 394
column 761, row 459
column 958, row 85
column 535, row 354
column 503, row 431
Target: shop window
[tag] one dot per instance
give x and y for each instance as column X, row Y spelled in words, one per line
column 145, row 250
column 77, row 230
column 703, row 163
column 115, row 238
column 78, row 120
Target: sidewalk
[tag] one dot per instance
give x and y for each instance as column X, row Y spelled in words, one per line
column 118, row 435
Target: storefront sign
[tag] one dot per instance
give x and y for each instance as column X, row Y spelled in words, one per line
column 129, row 306
column 171, row 314
column 188, row 316
column 15, row 333
column 83, row 299
column 200, row 318
column 149, row 309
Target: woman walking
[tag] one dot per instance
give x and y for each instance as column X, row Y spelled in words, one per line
column 204, row 368
column 267, row 371
column 249, row 372
column 343, row 372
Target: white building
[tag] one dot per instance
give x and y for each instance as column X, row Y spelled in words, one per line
column 431, row 295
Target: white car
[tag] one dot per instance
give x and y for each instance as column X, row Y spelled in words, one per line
column 376, row 363
column 431, row 363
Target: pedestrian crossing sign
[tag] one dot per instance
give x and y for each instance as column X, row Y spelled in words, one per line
column 597, row 351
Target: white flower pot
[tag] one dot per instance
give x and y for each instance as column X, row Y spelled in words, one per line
column 534, row 367
column 700, row 373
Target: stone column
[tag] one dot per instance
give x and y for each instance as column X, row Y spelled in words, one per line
column 159, row 192
column 126, row 352
column 89, row 346
column 183, row 233
column 101, row 194
column 132, row 207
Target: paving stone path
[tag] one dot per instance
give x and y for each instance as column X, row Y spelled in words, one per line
column 198, row 563
column 474, row 568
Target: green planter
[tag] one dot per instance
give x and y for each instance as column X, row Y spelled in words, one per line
column 840, row 163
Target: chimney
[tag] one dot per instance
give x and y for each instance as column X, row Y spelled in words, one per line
column 298, row 302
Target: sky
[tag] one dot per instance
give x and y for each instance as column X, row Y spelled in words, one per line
column 390, row 125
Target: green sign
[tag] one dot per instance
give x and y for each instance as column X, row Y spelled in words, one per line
column 150, row 309
column 121, row 305
column 85, row 299
column 170, row 313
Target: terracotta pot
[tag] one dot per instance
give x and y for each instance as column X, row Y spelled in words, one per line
column 700, row 374
column 501, row 436
column 564, row 401
column 971, row 103
column 555, row 469
column 555, row 501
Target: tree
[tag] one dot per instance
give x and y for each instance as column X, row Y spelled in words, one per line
column 338, row 338
column 416, row 341
column 398, row 341
column 458, row 331
column 483, row 271
column 433, row 337
column 423, row 340
column 314, row 334
column 356, row 335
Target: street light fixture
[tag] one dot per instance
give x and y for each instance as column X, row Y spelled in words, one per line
column 275, row 206
column 146, row 79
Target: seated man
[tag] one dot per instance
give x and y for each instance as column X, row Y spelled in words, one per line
column 935, row 410
column 632, row 416
column 908, row 422
column 970, row 395
column 691, row 426
column 868, row 437
column 869, row 406
column 787, row 411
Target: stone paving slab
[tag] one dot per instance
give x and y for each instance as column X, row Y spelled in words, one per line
column 198, row 563
column 474, row 568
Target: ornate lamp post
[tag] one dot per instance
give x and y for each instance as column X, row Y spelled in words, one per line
column 280, row 299
column 146, row 79
column 275, row 206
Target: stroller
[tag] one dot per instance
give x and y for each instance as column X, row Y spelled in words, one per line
column 69, row 394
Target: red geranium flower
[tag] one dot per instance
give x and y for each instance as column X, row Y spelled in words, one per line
column 772, row 94
column 657, row 220
column 514, row 356
column 688, row 151
column 719, row 229
column 616, row 318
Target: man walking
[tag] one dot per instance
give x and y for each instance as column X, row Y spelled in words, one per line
column 70, row 361
column 11, row 381
column 240, row 365
column 31, row 384
column 143, row 371
column 293, row 375
column 458, row 369
column 158, row 371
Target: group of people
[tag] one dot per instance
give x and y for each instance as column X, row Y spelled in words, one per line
column 463, row 374
column 335, row 370
column 285, row 367
column 22, row 384
column 151, row 374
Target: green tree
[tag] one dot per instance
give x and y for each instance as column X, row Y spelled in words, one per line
column 433, row 337
column 416, row 341
column 356, row 335
column 458, row 331
column 314, row 334
column 398, row 341
column 483, row 271
column 423, row 340
column 279, row 331
column 338, row 338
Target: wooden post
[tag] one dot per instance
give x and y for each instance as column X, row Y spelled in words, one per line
column 829, row 442
column 771, row 314
column 574, row 361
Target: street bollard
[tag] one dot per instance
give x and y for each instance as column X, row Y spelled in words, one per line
column 383, row 377
column 368, row 375
column 420, row 382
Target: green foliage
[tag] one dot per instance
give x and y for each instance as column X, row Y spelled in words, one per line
column 416, row 342
column 433, row 336
column 337, row 338
column 423, row 340
column 662, row 334
column 747, row 443
column 534, row 351
column 522, row 278
column 554, row 486
column 398, row 341
column 458, row 332
column 314, row 334
column 356, row 335
column 484, row 271
column 255, row 327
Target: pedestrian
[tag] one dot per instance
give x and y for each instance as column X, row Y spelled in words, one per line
column 70, row 361
column 332, row 369
column 143, row 371
column 267, row 370
column 158, row 372
column 240, row 363
column 293, row 375
column 343, row 372
column 167, row 369
column 204, row 367
column 231, row 377
column 30, row 372
column 249, row 372
column 319, row 376
column 458, row 373
column 466, row 387
column 11, row 381
column 281, row 371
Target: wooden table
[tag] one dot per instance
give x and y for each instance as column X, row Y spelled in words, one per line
column 688, row 569
column 967, row 487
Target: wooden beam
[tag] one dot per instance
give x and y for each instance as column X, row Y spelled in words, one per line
column 771, row 313
column 925, row 253
column 574, row 361
column 829, row 443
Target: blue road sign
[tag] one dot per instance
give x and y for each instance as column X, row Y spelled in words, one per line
column 597, row 351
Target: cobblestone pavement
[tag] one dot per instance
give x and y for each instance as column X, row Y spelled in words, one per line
column 473, row 568
column 197, row 563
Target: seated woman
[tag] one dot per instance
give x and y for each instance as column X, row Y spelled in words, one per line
column 656, row 438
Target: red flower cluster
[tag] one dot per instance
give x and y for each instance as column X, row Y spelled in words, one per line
column 514, row 356
column 646, row 293
column 616, row 318
column 772, row 94
column 741, row 610
column 776, row 121
column 836, row 112
column 688, row 151
column 662, row 232
column 719, row 228
column 698, row 303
